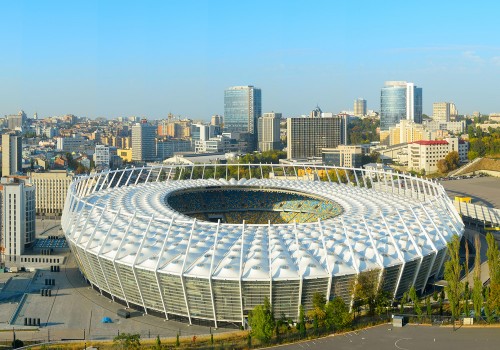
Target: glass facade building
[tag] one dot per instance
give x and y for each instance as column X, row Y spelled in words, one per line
column 242, row 108
column 400, row 100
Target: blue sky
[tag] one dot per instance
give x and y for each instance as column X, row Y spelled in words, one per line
column 149, row 58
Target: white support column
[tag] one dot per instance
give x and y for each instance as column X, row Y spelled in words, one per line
column 149, row 174
column 356, row 178
column 83, row 248
column 398, row 251
column 261, row 171
column 159, row 174
column 270, row 262
column 130, row 176
column 328, row 267
column 412, row 187
column 104, row 181
column 380, row 260
column 93, row 188
column 139, row 177
column 104, row 244
column 121, row 177
column 116, row 255
column 158, row 266
column 134, row 263
column 112, row 179
column 182, row 270
column 203, row 172
column 415, row 245
column 327, row 175
column 215, row 170
column 338, row 177
column 438, row 231
column 241, row 271
column 355, row 263
column 212, row 271
column 298, row 266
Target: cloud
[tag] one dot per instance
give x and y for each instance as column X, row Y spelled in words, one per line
column 472, row 56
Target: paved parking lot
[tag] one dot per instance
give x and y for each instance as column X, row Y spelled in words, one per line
column 410, row 337
column 482, row 190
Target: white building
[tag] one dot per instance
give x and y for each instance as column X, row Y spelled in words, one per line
column 269, row 131
column 217, row 144
column 166, row 148
column 17, row 217
column 101, row 156
column 70, row 144
column 424, row 155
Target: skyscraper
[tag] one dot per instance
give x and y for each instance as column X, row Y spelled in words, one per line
column 143, row 142
column 306, row 137
column 269, row 131
column 242, row 108
column 12, row 148
column 17, row 201
column 400, row 100
column 359, row 107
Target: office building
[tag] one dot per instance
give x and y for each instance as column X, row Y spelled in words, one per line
column 424, row 155
column 51, row 189
column 306, row 137
column 242, row 108
column 360, row 107
column 101, row 156
column 18, row 217
column 350, row 156
column 404, row 132
column 400, row 100
column 143, row 142
column 269, row 132
column 71, row 144
column 16, row 121
column 216, row 120
column 12, row 160
column 168, row 147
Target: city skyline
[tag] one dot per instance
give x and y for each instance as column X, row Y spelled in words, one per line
column 97, row 59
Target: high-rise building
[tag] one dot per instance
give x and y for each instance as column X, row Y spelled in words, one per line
column 400, row 100
column 216, row 120
column 17, row 217
column 51, row 189
column 306, row 137
column 101, row 156
column 143, row 142
column 242, row 108
column 269, row 131
column 444, row 111
column 12, row 160
column 359, row 107
column 16, row 121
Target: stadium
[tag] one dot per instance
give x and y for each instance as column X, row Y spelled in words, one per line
column 207, row 243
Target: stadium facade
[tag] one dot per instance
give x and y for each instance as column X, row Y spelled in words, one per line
column 192, row 243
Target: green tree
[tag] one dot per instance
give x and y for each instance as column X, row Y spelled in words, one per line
column 428, row 305
column 337, row 314
column 317, row 314
column 452, row 275
column 412, row 294
column 261, row 320
column 493, row 255
column 127, row 341
column 157, row 343
column 477, row 288
column 301, row 326
column 366, row 289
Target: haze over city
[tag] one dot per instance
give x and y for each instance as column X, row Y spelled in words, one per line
column 121, row 58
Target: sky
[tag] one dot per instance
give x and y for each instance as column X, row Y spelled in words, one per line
column 151, row 58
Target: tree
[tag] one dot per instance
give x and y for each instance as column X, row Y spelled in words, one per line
column 493, row 255
column 452, row 272
column 428, row 305
column 453, row 160
column 442, row 166
column 302, row 322
column 317, row 314
column 366, row 289
column 337, row 314
column 261, row 320
column 477, row 288
column 127, row 341
column 157, row 343
column 414, row 298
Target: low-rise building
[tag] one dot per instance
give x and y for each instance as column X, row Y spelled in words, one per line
column 424, row 155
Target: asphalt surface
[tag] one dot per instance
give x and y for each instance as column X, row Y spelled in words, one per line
column 483, row 190
column 410, row 337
